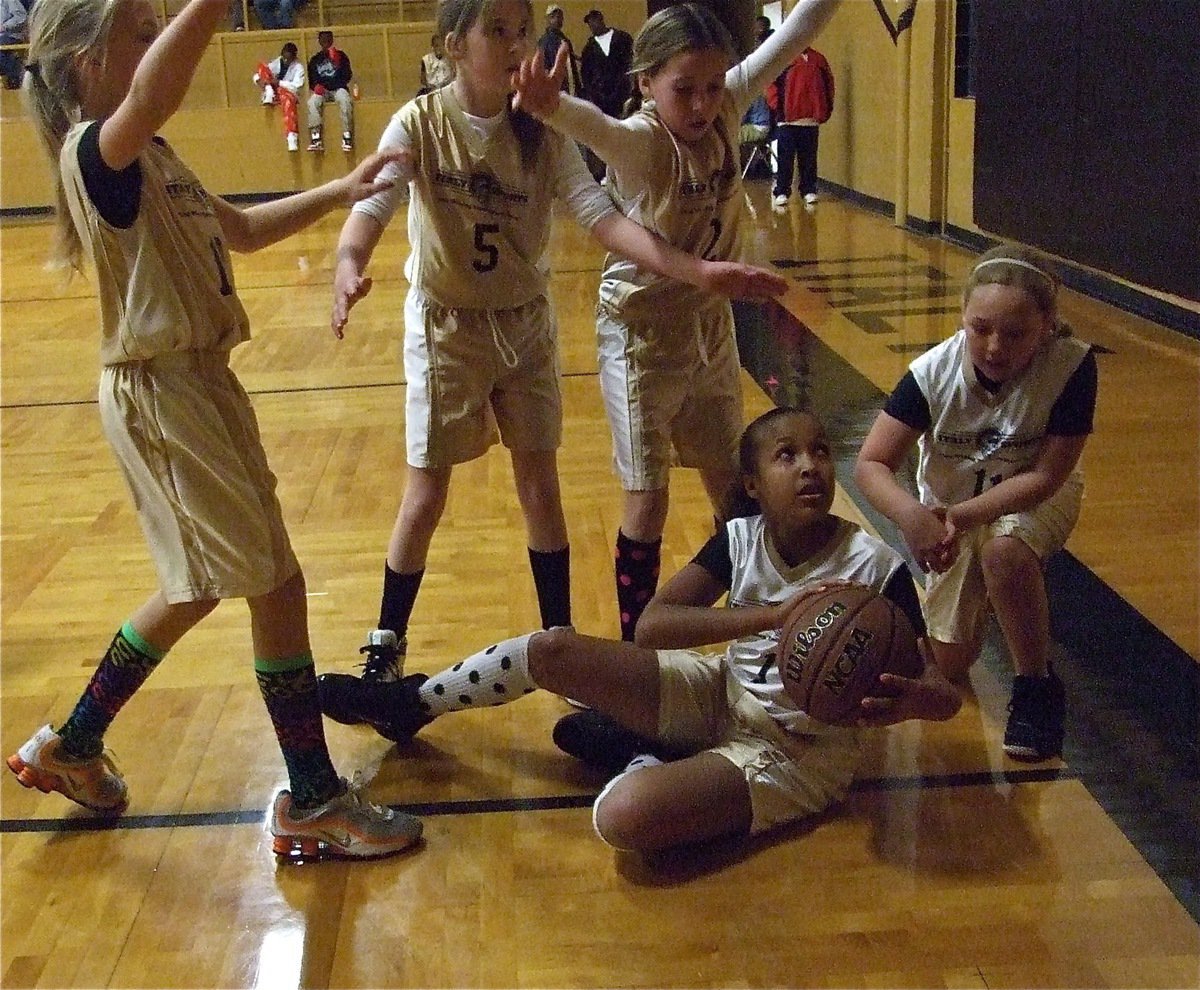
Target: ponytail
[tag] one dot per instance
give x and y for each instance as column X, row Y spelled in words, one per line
column 60, row 32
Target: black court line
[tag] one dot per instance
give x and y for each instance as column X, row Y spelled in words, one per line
column 490, row 806
column 804, row 262
column 295, row 390
column 907, row 270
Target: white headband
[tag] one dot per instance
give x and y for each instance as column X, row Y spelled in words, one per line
column 1015, row 261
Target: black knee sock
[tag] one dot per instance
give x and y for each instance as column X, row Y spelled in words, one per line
column 399, row 597
column 637, row 566
column 552, row 579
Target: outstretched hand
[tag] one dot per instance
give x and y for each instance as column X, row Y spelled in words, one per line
column 378, row 171
column 739, row 281
column 349, row 286
column 930, row 697
column 537, row 91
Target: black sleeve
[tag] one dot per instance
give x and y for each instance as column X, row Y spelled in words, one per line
column 346, row 73
column 909, row 405
column 313, row 62
column 714, row 558
column 901, row 591
column 116, row 195
column 1075, row 407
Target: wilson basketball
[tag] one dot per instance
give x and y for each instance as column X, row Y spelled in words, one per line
column 834, row 646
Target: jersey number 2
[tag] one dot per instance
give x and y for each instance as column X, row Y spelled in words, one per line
column 716, row 236
column 490, row 253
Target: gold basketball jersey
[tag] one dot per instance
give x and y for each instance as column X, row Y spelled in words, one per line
column 166, row 282
column 479, row 221
column 692, row 198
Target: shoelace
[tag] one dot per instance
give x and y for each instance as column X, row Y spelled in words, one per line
column 356, row 791
column 379, row 658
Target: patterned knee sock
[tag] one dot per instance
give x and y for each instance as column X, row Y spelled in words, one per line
column 125, row 667
column 637, row 566
column 494, row 676
column 289, row 687
column 552, row 578
column 399, row 597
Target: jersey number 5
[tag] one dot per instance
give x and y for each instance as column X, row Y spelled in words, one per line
column 490, row 253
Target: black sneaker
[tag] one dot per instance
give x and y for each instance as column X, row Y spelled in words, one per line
column 392, row 708
column 1036, row 719
column 599, row 741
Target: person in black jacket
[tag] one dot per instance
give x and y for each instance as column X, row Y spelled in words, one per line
column 606, row 62
column 329, row 75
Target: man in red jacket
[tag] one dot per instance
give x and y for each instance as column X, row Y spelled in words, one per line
column 806, row 101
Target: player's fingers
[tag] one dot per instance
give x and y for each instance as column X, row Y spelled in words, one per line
column 897, row 681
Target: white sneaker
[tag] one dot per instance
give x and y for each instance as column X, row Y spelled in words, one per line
column 780, row 201
column 811, row 197
column 268, row 96
column 96, row 783
column 293, row 141
column 345, row 827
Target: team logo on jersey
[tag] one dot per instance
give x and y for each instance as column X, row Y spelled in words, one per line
column 188, row 197
column 988, row 441
column 481, row 186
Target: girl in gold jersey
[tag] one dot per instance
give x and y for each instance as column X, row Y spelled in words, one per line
column 669, row 368
column 101, row 81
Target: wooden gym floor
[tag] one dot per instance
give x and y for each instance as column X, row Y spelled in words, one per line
column 947, row 866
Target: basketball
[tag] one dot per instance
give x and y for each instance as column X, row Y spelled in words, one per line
column 835, row 644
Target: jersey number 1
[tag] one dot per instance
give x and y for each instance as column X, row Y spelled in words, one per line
column 226, row 285
column 981, row 480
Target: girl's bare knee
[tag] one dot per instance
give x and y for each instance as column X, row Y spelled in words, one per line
column 954, row 660
column 548, row 651
column 619, row 818
column 1006, row 560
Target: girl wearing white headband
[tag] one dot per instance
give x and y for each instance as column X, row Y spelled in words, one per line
column 1000, row 414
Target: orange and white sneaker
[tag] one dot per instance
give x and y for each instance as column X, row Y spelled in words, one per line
column 345, row 827
column 95, row 783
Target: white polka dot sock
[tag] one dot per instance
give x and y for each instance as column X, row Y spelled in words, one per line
column 494, row 676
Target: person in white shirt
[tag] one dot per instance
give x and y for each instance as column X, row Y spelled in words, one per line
column 281, row 81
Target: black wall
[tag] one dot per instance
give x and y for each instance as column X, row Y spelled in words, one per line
column 1087, row 133
column 737, row 15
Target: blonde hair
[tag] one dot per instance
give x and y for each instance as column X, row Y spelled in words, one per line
column 682, row 27
column 1023, row 268
column 456, row 17
column 60, row 32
